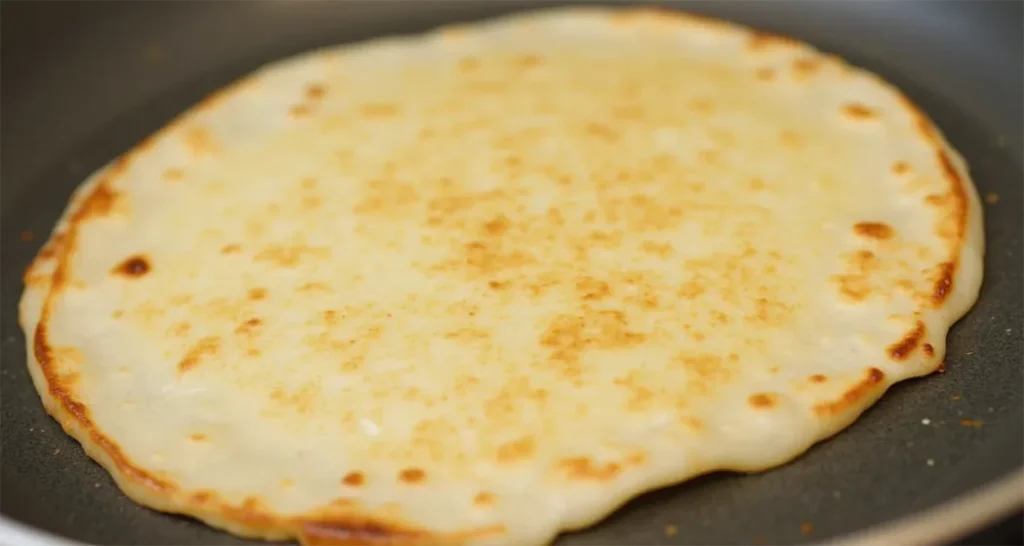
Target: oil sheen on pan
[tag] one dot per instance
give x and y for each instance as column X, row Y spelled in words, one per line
column 485, row 284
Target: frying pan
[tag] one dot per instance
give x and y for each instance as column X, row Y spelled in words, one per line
column 84, row 81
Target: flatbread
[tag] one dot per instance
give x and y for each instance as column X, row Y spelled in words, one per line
column 488, row 283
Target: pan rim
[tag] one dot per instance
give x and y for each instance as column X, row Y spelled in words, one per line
column 938, row 524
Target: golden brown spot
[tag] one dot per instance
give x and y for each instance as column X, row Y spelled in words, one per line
column 202, row 497
column 873, row 230
column 353, row 479
column 527, row 61
column 173, row 174
column 352, row 529
column 101, row 202
column 205, row 346
column 517, row 450
column 136, row 266
column 310, row 202
column 313, row 287
column 856, row 284
column 858, row 111
column 181, row 329
column 806, row 66
column 568, row 336
column 991, row 198
column 257, row 294
column 483, row 499
column 928, row 349
column 287, row 256
column 690, row 289
column 253, row 511
column 498, row 225
column 719, row 317
column 69, row 379
column 641, row 397
column 760, row 41
column 412, row 475
column 601, row 131
column 232, row 248
column 903, row 348
column 199, row 141
column 765, row 74
column 248, row 326
column 382, row 110
column 300, row 401
column 591, row 289
column 954, row 224
column 488, row 259
column 197, row 437
column 469, row 64
column 50, row 248
column 944, row 283
column 539, row 395
column 900, row 167
column 35, row 280
column 555, row 217
column 704, row 366
column 769, row 312
column 315, row 91
column 789, row 139
column 636, row 459
column 692, row 423
column 949, row 170
column 817, row 378
column 299, row 110
column 852, row 397
column 330, row 317
column 583, row 468
column 701, row 104
column 662, row 250
column 925, row 127
column 762, row 401
column 121, row 164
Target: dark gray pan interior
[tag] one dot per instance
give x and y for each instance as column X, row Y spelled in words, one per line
column 84, row 81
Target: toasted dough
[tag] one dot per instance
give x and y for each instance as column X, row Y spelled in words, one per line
column 488, row 283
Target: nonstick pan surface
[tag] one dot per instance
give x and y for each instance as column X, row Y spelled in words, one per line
column 84, row 81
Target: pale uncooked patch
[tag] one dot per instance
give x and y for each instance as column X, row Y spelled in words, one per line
column 487, row 284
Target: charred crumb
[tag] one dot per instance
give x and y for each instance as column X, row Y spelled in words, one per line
column 135, row 266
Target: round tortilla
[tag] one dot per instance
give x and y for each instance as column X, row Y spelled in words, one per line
column 488, row 283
